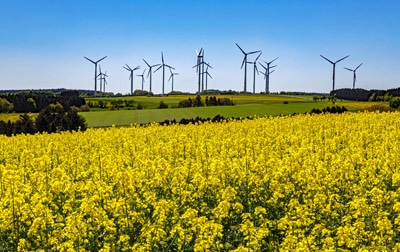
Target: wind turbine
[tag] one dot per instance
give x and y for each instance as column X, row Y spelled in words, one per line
column 254, row 72
column 244, row 62
column 142, row 75
column 163, row 65
column 101, row 76
column 198, row 67
column 172, row 77
column 95, row 72
column 266, row 76
column 150, row 71
column 104, row 82
column 267, row 72
column 334, row 65
column 207, row 75
column 354, row 74
column 131, row 75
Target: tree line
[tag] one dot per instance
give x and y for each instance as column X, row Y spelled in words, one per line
column 209, row 101
column 34, row 103
column 360, row 94
column 53, row 118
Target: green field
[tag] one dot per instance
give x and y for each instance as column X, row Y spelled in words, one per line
column 245, row 105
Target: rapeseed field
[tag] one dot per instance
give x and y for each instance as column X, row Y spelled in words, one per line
column 293, row 183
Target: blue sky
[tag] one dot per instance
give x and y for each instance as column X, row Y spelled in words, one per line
column 43, row 43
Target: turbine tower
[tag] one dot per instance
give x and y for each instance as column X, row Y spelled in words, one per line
column 150, row 72
column 172, row 77
column 267, row 72
column 163, row 65
column 207, row 75
column 142, row 75
column 244, row 62
column 334, row 65
column 354, row 74
column 200, row 69
column 104, row 83
column 254, row 72
column 95, row 72
column 131, row 75
column 101, row 77
column 200, row 58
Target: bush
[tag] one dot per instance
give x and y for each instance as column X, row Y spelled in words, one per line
column 162, row 105
column 380, row 108
column 139, row 106
column 394, row 102
column 285, row 102
column 5, row 106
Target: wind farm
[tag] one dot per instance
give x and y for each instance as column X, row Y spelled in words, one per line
column 204, row 125
column 202, row 69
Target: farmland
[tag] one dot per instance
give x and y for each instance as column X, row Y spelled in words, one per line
column 307, row 182
column 245, row 105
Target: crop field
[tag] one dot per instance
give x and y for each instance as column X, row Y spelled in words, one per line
column 13, row 117
column 245, row 105
column 127, row 117
column 297, row 183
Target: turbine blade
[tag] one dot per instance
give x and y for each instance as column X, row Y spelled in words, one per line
column 158, row 68
column 101, row 59
column 258, row 57
column 342, row 59
column 358, row 67
column 240, row 48
column 262, row 65
column 162, row 57
column 273, row 60
column 326, row 59
column 136, row 68
column 125, row 68
column 253, row 52
column 146, row 63
column 129, row 68
column 348, row 69
column 90, row 60
column 255, row 66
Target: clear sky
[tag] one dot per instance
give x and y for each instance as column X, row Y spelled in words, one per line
column 43, row 42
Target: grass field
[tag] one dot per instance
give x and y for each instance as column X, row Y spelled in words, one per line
column 245, row 105
column 13, row 117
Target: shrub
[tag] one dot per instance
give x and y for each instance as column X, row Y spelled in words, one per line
column 162, row 105
column 394, row 102
column 5, row 106
column 379, row 107
column 285, row 102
